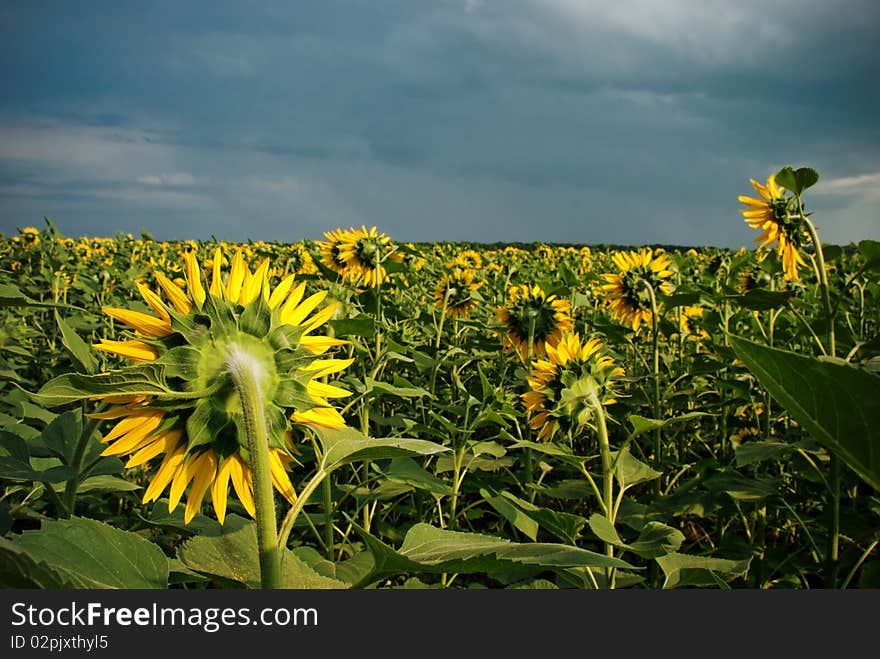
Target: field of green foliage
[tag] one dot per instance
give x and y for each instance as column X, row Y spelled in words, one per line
column 358, row 412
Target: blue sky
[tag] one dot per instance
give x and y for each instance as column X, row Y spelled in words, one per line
column 461, row 120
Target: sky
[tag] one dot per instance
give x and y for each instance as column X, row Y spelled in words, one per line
column 554, row 121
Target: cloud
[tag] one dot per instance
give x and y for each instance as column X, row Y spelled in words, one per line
column 176, row 179
column 862, row 184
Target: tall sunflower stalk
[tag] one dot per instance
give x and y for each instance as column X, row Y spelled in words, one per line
column 360, row 257
column 221, row 381
column 631, row 293
column 568, row 392
column 786, row 227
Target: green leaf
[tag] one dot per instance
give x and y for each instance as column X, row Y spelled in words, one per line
column 761, row 300
column 762, row 451
column 394, row 390
column 234, row 556
column 78, row 349
column 362, row 326
column 72, row 387
column 565, row 526
column 407, row 470
column 427, row 549
column 87, row 553
column 787, row 179
column 682, row 570
column 806, row 177
column 643, row 424
column 655, row 539
column 742, row 488
column 181, row 362
column 11, row 296
column 630, row 471
column 341, row 446
column 870, row 250
column 835, row 403
column 62, row 435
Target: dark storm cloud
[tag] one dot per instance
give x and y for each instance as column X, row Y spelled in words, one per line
column 551, row 120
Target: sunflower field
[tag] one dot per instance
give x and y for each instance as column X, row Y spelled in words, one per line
column 359, row 412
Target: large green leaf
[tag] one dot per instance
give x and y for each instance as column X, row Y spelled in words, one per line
column 681, row 570
column 78, row 349
column 428, row 549
column 655, row 539
column 343, row 446
column 70, row 387
column 86, row 553
column 836, row 403
column 234, row 556
column 528, row 517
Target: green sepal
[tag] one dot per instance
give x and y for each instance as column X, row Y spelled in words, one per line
column 256, row 319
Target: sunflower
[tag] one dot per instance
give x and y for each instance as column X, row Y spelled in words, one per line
column 455, row 292
column 774, row 215
column 29, row 237
column 562, row 385
column 188, row 408
column 689, row 323
column 469, row 259
column 531, row 312
column 357, row 254
column 627, row 291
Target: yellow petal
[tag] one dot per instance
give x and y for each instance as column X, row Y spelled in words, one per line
column 220, row 489
column 254, row 284
column 216, row 276
column 178, row 298
column 135, row 350
column 204, row 468
column 327, row 417
column 323, row 390
column 297, row 315
column 166, row 471
column 236, row 277
column 280, row 479
column 241, row 481
column 154, row 301
column 280, row 291
column 141, row 322
column 194, row 279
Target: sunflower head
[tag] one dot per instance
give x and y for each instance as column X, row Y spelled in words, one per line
column 455, row 291
column 179, row 398
column 532, row 314
column 776, row 216
column 565, row 387
column 628, row 291
column 29, row 237
column 690, row 323
column 357, row 254
column 469, row 259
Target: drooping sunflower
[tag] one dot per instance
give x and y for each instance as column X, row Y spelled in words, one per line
column 455, row 291
column 187, row 408
column 530, row 312
column 779, row 222
column 627, row 292
column 357, row 254
column 561, row 386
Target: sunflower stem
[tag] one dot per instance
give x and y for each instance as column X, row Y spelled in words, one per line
column 655, row 366
column 245, row 373
column 296, row 509
column 328, row 516
column 833, row 547
column 607, row 477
